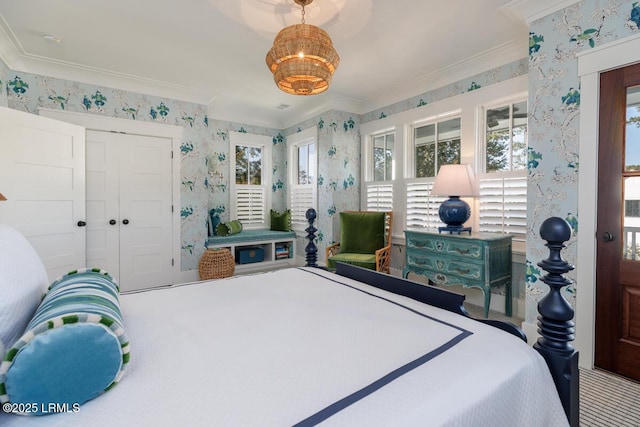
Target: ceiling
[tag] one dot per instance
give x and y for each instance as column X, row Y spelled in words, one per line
column 213, row 51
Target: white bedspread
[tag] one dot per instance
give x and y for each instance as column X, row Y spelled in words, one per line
column 275, row 349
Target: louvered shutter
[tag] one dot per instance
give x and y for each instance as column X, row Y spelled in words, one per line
column 302, row 198
column 503, row 205
column 422, row 207
column 250, row 204
column 379, row 197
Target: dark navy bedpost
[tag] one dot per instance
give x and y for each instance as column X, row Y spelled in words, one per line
column 555, row 324
column 311, row 250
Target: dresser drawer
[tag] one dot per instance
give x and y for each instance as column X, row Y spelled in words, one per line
column 449, row 267
column 445, row 246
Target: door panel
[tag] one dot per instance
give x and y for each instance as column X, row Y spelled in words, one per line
column 145, row 197
column 42, row 165
column 103, row 204
column 618, row 260
column 129, row 180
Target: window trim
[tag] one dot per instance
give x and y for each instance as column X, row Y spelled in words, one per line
column 295, row 141
column 468, row 106
column 264, row 143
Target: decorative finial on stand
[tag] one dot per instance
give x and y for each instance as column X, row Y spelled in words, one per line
column 311, row 250
column 555, row 323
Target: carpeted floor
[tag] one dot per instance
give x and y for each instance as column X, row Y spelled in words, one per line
column 608, row 400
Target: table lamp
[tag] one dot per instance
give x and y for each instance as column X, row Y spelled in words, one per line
column 455, row 181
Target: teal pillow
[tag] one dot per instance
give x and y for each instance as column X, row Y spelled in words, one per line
column 229, row 228
column 281, row 221
column 361, row 232
column 74, row 348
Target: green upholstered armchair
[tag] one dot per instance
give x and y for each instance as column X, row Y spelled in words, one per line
column 365, row 240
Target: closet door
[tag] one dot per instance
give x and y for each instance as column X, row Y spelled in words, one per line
column 42, row 175
column 130, row 218
column 103, row 203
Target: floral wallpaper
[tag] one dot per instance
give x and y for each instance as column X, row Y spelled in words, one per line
column 554, row 120
column 3, row 78
column 338, row 171
column 554, row 99
column 205, row 140
column 487, row 78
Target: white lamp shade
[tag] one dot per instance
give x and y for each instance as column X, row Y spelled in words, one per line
column 455, row 180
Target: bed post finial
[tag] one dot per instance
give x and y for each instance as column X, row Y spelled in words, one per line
column 311, row 250
column 555, row 324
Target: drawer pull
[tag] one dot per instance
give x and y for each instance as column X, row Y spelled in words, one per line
column 461, row 271
column 462, row 251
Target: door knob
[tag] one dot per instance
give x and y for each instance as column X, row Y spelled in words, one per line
column 125, row 221
column 607, row 237
column 112, row 222
column 81, row 223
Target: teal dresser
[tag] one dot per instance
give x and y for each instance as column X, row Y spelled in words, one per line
column 479, row 260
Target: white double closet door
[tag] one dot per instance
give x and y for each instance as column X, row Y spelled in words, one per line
column 129, row 207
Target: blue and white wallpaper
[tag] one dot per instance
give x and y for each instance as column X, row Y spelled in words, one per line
column 554, row 104
column 3, row 92
column 206, row 140
column 338, row 170
column 554, row 121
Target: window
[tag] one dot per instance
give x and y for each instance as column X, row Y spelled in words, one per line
column 379, row 171
column 503, row 188
column 632, row 208
column 506, row 137
column 383, row 157
column 250, row 164
column 402, row 153
column 379, row 188
column 302, row 177
column 436, row 144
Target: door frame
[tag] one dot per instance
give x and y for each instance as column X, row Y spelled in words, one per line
column 174, row 133
column 591, row 63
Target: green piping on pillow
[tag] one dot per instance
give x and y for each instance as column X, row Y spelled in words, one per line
column 229, row 228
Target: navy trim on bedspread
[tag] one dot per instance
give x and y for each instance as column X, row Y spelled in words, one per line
column 343, row 403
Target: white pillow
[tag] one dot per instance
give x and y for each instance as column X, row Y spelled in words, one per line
column 23, row 282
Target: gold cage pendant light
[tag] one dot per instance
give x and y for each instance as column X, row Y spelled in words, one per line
column 302, row 58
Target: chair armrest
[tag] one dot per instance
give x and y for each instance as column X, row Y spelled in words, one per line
column 383, row 258
column 332, row 250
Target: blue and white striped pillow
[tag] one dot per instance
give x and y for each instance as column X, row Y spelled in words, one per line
column 74, row 348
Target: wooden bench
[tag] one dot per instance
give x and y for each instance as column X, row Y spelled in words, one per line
column 279, row 248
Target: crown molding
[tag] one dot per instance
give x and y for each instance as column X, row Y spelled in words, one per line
column 99, row 77
column 16, row 59
column 532, row 10
column 504, row 54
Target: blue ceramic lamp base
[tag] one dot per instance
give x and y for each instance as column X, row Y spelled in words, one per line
column 454, row 212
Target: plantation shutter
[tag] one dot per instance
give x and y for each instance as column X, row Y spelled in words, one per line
column 379, row 197
column 422, row 207
column 302, row 198
column 250, row 204
column 503, row 206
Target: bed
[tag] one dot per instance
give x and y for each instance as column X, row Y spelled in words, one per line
column 304, row 346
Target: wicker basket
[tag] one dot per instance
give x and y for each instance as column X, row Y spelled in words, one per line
column 216, row 264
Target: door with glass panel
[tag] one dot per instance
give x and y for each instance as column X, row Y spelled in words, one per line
column 618, row 224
